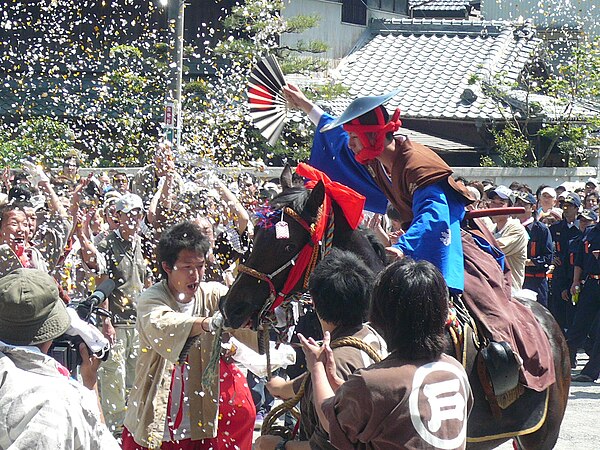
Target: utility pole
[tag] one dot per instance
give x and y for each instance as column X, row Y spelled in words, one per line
column 173, row 118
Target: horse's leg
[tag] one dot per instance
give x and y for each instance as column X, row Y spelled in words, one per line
column 546, row 437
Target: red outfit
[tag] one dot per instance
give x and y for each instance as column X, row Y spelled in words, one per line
column 236, row 417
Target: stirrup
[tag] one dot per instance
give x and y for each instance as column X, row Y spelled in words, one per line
column 502, row 367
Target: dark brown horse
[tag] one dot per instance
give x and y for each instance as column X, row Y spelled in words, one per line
column 535, row 416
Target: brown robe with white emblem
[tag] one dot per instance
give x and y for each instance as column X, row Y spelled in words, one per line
column 400, row 404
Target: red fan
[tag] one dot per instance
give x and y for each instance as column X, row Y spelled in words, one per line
column 268, row 108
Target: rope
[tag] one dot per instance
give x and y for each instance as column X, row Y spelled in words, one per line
column 269, row 427
column 329, row 234
column 211, row 371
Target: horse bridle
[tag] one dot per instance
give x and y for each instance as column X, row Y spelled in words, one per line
column 268, row 278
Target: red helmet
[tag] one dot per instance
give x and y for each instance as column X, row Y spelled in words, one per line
column 367, row 115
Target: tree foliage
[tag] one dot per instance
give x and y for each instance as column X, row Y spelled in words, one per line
column 93, row 68
column 216, row 122
column 530, row 136
column 46, row 140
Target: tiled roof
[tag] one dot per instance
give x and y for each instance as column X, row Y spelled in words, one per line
column 435, row 62
column 552, row 107
column 438, row 5
column 436, row 143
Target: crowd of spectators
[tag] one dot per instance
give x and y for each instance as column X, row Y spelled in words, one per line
column 83, row 230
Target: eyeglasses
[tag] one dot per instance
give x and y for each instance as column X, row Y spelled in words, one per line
column 120, row 180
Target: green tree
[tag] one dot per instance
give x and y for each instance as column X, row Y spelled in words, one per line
column 216, row 121
column 131, row 96
column 44, row 140
column 95, row 68
column 529, row 135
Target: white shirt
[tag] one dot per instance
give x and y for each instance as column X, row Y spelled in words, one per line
column 45, row 410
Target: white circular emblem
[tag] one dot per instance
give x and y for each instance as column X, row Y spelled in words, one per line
column 446, row 401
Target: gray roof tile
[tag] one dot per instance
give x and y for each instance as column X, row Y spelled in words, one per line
column 433, row 61
column 438, row 5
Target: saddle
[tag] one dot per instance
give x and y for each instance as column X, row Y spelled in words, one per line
column 496, row 364
column 485, row 421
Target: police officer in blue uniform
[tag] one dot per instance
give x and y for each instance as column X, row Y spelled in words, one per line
column 586, row 284
column 563, row 233
column 539, row 248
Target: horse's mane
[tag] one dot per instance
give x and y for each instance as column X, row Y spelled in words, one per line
column 294, row 197
column 378, row 247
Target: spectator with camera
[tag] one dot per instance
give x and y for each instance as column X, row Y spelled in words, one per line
column 42, row 406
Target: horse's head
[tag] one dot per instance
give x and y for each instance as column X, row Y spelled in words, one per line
column 272, row 258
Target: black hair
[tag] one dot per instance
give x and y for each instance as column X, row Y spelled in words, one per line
column 393, row 213
column 538, row 191
column 461, row 179
column 515, row 186
column 20, row 176
column 340, row 287
column 410, row 308
column 182, row 236
column 525, row 187
column 245, row 176
column 19, row 192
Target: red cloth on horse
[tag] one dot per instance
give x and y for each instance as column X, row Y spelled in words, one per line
column 487, row 295
column 350, row 201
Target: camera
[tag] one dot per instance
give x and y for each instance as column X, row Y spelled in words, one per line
column 65, row 349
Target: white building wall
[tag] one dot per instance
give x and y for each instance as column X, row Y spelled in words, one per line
column 340, row 37
column 547, row 13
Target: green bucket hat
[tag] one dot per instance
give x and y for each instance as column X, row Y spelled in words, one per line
column 31, row 311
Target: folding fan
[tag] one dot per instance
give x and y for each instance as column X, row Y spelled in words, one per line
column 268, row 108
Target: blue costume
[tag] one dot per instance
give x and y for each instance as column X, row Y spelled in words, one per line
column 587, row 316
column 426, row 197
column 331, row 155
column 539, row 252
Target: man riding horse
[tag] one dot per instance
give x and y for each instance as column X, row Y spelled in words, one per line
column 358, row 149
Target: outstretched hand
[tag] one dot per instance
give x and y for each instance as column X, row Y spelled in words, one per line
column 296, row 98
column 394, row 253
column 315, row 353
column 35, row 174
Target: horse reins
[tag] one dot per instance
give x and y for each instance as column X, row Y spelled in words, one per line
column 276, row 298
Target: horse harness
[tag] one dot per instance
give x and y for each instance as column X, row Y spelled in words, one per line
column 269, row 426
column 307, row 258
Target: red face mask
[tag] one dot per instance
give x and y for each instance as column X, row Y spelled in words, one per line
column 371, row 151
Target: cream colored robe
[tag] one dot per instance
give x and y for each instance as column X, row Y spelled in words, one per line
column 163, row 332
